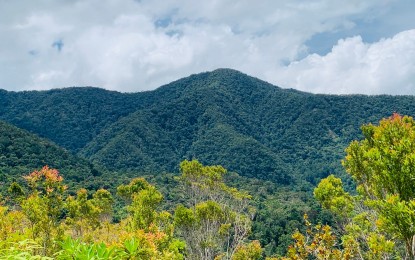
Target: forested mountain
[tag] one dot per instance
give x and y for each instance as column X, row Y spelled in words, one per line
column 22, row 152
column 70, row 117
column 220, row 117
column 281, row 141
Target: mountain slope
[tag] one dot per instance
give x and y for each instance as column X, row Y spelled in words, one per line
column 220, row 117
column 207, row 120
column 247, row 125
column 22, row 152
column 70, row 117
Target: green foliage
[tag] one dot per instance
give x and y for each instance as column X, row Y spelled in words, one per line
column 75, row 249
column 22, row 250
column 383, row 165
column 383, row 162
column 331, row 195
column 85, row 215
column 251, row 251
column 135, row 186
column 22, row 152
column 318, row 243
column 44, row 206
column 70, row 117
column 244, row 124
column 143, row 208
column 43, row 224
column 278, row 213
column 219, row 217
column 378, row 222
column 221, row 117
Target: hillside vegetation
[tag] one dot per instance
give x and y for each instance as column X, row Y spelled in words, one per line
column 214, row 220
column 276, row 143
column 220, row 117
column 22, row 152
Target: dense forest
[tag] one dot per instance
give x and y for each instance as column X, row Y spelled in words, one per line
column 221, row 117
column 276, row 144
column 40, row 221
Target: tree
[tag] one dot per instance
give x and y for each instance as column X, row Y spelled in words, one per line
column 85, row 215
column 149, row 232
column 103, row 200
column 145, row 199
column 249, row 251
column 219, row 217
column 44, row 226
column 12, row 225
column 44, row 207
column 319, row 242
column 361, row 238
column 377, row 222
column 383, row 166
column 331, row 195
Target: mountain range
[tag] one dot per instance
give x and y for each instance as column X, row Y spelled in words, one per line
column 221, row 117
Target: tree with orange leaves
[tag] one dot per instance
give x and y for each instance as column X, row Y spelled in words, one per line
column 44, row 206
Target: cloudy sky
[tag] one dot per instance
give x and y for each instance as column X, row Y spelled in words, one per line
column 319, row 46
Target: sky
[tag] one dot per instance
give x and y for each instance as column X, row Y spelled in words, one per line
column 317, row 46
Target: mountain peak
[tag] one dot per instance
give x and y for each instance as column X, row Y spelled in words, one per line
column 221, row 79
column 227, row 70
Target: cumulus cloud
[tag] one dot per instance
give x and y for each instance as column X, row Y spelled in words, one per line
column 140, row 45
column 354, row 66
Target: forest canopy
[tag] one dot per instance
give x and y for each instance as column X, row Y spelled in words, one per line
column 377, row 220
column 209, row 219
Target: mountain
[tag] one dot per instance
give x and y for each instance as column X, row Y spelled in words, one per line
column 219, row 117
column 22, row 152
column 249, row 126
column 70, row 117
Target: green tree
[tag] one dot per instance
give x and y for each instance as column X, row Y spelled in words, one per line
column 250, row 251
column 103, row 200
column 377, row 222
column 144, row 201
column 219, row 217
column 85, row 215
column 383, row 166
column 331, row 195
column 361, row 238
column 149, row 231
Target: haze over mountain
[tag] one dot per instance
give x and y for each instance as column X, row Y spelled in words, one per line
column 219, row 117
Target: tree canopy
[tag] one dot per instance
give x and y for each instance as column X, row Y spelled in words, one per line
column 377, row 221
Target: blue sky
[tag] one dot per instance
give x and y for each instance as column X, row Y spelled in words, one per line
column 318, row 46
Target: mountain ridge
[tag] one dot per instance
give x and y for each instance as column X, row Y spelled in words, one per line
column 220, row 117
column 281, row 142
column 22, row 152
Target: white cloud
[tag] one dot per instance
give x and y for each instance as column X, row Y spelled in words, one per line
column 353, row 66
column 140, row 45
